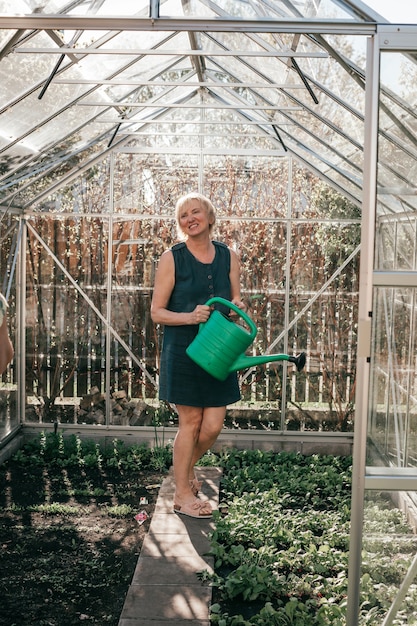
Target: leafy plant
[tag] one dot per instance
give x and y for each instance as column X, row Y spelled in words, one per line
column 120, row 510
column 281, row 542
column 54, row 449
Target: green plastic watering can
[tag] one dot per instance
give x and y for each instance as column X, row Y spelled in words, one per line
column 220, row 344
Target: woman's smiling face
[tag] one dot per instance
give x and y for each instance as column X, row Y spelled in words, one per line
column 194, row 213
column 193, row 218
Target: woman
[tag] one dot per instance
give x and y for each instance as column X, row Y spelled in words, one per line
column 6, row 347
column 188, row 275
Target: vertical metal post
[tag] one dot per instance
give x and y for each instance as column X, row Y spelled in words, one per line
column 364, row 328
column 109, row 336
column 201, row 156
column 288, row 224
column 154, row 9
column 20, row 322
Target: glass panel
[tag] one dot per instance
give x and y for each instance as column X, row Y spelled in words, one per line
column 65, row 332
column 89, row 193
column 150, row 184
column 256, row 187
column 397, row 171
column 389, row 549
column 393, row 418
column 136, row 248
column 328, row 327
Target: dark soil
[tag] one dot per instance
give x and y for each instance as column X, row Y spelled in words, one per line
column 70, row 542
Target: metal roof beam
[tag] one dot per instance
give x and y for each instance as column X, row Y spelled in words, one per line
column 132, row 23
column 175, row 83
column 203, row 105
column 173, row 53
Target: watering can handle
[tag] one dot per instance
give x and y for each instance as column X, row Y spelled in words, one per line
column 242, row 314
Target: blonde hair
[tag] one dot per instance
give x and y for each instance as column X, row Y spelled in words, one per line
column 205, row 203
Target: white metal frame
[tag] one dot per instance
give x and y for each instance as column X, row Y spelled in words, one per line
column 364, row 477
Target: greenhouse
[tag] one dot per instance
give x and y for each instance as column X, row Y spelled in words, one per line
column 297, row 118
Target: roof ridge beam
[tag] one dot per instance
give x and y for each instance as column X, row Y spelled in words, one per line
column 132, row 23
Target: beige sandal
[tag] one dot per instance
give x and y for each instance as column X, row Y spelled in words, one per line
column 194, row 509
column 196, row 486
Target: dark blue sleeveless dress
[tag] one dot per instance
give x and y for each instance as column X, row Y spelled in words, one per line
column 181, row 381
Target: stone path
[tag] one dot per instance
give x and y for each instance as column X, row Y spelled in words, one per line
column 165, row 587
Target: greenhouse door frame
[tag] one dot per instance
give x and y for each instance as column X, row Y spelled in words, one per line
column 394, row 39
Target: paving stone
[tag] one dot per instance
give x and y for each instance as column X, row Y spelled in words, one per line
column 167, row 602
column 169, row 523
column 164, row 570
column 173, row 545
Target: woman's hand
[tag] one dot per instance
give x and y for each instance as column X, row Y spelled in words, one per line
column 238, row 302
column 241, row 305
column 200, row 314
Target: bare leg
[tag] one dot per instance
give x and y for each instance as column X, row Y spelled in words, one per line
column 190, row 419
column 198, row 429
column 211, row 426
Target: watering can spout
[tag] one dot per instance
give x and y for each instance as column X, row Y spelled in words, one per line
column 243, row 361
column 220, row 344
column 299, row 360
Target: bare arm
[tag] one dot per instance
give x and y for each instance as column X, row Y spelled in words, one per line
column 164, row 284
column 235, row 280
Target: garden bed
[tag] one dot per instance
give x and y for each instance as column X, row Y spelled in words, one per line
column 72, row 523
column 281, row 545
column 73, row 518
